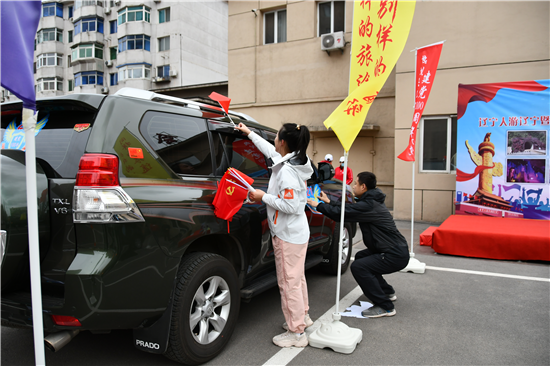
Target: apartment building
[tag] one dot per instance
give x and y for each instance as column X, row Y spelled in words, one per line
column 175, row 48
column 282, row 69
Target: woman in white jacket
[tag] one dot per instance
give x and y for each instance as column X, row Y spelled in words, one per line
column 285, row 200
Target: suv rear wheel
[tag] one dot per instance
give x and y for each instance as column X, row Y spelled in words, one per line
column 205, row 309
column 330, row 262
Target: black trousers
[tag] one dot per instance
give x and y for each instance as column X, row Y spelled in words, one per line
column 368, row 268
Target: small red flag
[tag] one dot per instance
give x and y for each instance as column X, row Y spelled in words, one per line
column 230, row 195
column 224, row 101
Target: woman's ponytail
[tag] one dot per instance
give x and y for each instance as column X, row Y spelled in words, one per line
column 297, row 139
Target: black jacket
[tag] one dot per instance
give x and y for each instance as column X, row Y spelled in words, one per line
column 380, row 234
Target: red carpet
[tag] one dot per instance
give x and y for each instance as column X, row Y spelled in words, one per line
column 493, row 237
column 426, row 236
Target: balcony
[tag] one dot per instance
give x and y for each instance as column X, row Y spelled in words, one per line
column 89, row 37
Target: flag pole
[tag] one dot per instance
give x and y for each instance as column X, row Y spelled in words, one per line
column 336, row 335
column 412, row 213
column 414, row 161
column 29, row 124
column 341, row 239
column 414, row 265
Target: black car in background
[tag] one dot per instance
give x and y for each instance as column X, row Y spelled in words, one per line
column 128, row 237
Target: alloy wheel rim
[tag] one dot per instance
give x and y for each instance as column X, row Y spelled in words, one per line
column 210, row 310
column 345, row 246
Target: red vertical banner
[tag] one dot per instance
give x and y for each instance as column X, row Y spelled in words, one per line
column 427, row 59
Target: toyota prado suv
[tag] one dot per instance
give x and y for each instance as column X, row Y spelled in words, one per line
column 127, row 232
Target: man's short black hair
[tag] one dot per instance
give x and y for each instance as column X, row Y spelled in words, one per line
column 368, row 179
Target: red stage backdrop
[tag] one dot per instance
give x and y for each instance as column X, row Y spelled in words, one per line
column 502, row 158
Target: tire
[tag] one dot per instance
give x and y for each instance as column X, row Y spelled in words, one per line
column 330, row 262
column 205, row 308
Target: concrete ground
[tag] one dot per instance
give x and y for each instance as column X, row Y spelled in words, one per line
column 461, row 311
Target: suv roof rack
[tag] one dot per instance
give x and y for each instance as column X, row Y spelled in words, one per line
column 155, row 97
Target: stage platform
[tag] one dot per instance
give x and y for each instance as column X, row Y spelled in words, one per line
column 493, row 237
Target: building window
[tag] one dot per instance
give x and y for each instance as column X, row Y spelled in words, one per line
column 438, row 151
column 80, row 3
column 114, row 79
column 134, row 14
column 48, row 59
column 70, row 8
column 70, row 85
column 69, row 60
column 49, row 34
column 164, row 15
column 135, row 42
column 113, row 26
column 88, row 50
column 163, row 71
column 140, row 71
column 52, row 9
column 49, row 84
column 113, row 51
column 331, row 17
column 88, row 25
column 70, row 36
column 88, row 78
column 275, row 27
column 164, row 43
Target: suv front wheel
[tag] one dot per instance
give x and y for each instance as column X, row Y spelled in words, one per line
column 330, row 262
column 205, row 309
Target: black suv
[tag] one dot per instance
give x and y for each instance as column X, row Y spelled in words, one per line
column 128, row 236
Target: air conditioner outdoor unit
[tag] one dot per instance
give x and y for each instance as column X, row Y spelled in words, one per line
column 173, row 73
column 105, row 90
column 107, row 11
column 71, row 19
column 117, row 2
column 157, row 1
column 332, row 41
column 109, row 63
column 154, row 80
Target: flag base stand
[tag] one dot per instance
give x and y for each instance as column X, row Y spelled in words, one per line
column 414, row 266
column 336, row 336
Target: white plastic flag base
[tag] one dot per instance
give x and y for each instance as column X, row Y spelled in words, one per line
column 336, row 336
column 414, row 266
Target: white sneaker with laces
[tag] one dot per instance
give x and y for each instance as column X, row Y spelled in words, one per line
column 291, row 339
column 307, row 320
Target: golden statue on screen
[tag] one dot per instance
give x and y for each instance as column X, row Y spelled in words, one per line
column 484, row 157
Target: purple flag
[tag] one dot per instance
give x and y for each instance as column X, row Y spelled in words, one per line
column 19, row 21
column 513, row 186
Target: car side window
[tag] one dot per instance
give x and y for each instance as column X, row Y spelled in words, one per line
column 181, row 141
column 243, row 155
column 270, row 137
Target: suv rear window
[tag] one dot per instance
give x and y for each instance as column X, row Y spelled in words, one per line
column 181, row 141
column 63, row 131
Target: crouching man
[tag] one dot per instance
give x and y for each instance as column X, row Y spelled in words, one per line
column 387, row 250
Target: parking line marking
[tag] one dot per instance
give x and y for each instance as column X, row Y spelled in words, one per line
column 285, row 355
column 494, row 274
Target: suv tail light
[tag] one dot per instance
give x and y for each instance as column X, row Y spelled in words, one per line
column 98, row 197
column 97, row 170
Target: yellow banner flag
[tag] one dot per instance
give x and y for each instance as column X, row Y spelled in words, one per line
column 380, row 31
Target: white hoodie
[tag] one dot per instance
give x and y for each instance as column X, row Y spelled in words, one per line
column 286, row 195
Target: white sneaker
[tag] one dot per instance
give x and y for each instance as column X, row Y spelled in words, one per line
column 307, row 320
column 291, row 339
